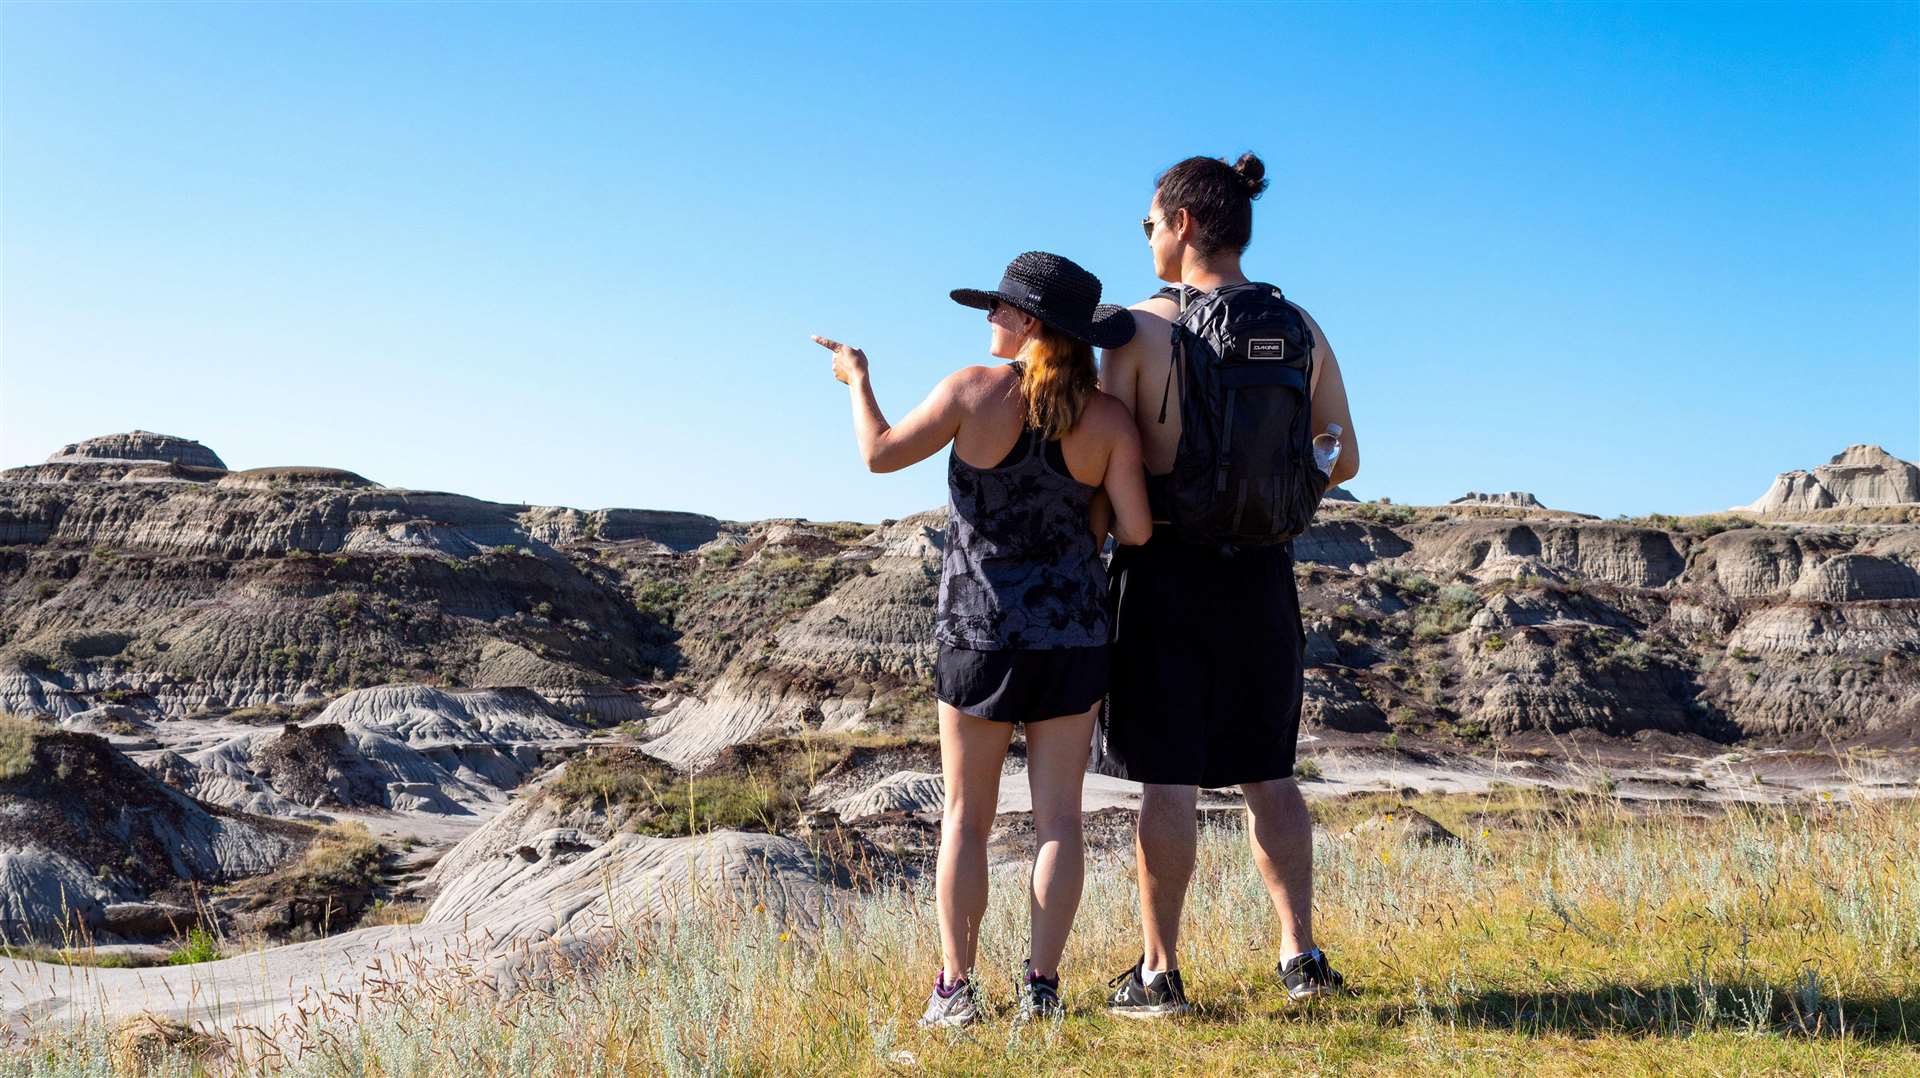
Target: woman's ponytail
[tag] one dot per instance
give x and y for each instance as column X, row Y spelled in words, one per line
column 1058, row 379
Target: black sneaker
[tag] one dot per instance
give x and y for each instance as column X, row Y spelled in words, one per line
column 1309, row 976
column 1039, row 997
column 1133, row 998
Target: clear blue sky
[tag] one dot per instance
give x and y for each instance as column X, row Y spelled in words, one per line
column 1631, row 259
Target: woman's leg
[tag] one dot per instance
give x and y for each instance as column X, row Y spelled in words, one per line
column 971, row 752
column 1056, row 765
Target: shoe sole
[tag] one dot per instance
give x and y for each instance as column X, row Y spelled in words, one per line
column 1301, row 995
column 1149, row 1014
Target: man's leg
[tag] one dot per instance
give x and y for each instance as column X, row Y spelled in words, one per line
column 971, row 750
column 1056, row 770
column 1281, row 833
column 1164, row 849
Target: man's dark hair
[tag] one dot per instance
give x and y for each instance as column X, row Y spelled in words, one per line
column 1217, row 196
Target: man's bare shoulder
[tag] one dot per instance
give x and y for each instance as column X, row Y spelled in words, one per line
column 1150, row 328
column 1161, row 306
column 1311, row 324
column 1107, row 413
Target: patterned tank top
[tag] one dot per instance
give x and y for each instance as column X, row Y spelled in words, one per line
column 1021, row 570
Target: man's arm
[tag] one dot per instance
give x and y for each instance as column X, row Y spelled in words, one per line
column 1329, row 391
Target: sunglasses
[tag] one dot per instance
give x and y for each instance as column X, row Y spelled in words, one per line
column 1146, row 225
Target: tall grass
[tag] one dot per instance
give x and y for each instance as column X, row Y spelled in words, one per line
column 1568, row 938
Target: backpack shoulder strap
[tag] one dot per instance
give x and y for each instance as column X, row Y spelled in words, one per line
column 1177, row 354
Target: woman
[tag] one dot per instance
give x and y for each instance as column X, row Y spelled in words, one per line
column 1022, row 623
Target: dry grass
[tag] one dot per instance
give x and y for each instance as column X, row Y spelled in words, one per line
column 17, row 739
column 1564, row 936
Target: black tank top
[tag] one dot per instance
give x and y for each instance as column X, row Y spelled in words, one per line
column 1020, row 570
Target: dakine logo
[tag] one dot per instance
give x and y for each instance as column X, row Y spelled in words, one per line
column 1267, row 348
column 1033, row 297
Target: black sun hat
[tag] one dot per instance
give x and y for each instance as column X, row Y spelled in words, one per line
column 1058, row 292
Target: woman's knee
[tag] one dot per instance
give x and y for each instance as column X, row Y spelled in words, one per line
column 966, row 821
column 1061, row 827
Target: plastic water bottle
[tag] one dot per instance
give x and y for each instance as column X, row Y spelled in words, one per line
column 1326, row 449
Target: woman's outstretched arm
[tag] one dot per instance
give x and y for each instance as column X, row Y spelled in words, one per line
column 890, row 447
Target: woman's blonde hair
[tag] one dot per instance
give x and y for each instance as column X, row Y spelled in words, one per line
column 1058, row 379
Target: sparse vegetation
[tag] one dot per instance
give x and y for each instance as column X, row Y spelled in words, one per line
column 753, row 787
column 1702, row 527
column 1449, row 611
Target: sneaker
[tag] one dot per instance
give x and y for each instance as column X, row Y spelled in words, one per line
column 951, row 1005
column 1309, row 976
column 1133, row 998
column 1039, row 997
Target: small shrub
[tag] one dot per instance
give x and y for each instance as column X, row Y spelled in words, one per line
column 1307, row 771
column 198, row 947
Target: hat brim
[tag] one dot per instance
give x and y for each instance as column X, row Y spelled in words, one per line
column 1111, row 326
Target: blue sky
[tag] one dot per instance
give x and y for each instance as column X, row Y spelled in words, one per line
column 1632, row 259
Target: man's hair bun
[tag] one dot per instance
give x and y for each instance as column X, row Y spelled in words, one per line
column 1252, row 172
column 1217, row 195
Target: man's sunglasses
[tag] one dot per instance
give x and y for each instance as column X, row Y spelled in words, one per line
column 1146, row 225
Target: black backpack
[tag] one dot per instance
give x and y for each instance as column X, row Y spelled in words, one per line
column 1244, row 473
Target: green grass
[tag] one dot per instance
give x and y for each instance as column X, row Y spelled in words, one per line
column 199, row 946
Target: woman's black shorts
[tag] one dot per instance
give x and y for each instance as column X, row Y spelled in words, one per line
column 1019, row 685
column 1208, row 656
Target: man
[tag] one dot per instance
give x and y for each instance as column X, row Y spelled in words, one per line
column 1208, row 650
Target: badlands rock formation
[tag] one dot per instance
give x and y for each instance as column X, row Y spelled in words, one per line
column 406, row 748
column 139, row 445
column 1860, row 475
column 1518, row 499
column 84, row 832
column 863, row 650
column 548, row 867
column 165, row 582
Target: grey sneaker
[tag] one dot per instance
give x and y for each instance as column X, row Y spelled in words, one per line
column 1310, row 976
column 1039, row 997
column 1134, row 998
column 950, row 1006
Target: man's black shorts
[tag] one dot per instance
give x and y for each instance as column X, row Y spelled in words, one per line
column 1208, row 657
